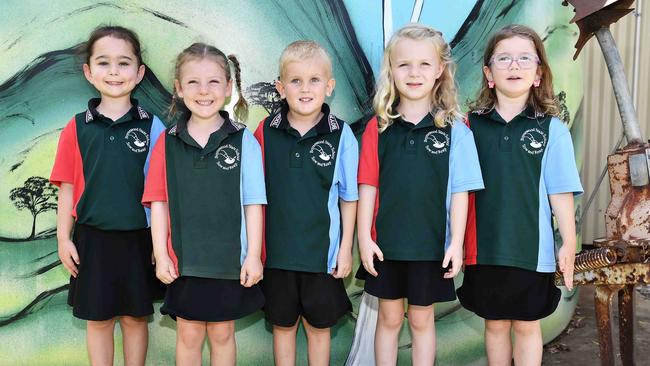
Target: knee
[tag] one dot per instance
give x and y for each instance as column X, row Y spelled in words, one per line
column 526, row 328
column 421, row 322
column 222, row 333
column 101, row 324
column 190, row 337
column 391, row 319
column 498, row 326
column 316, row 334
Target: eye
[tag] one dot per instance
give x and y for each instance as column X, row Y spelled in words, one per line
column 295, row 81
column 526, row 58
column 192, row 82
column 315, row 80
column 503, row 58
column 215, row 81
column 402, row 65
column 426, row 64
column 123, row 63
column 102, row 63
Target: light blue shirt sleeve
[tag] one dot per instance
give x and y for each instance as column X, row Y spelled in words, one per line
column 349, row 164
column 560, row 170
column 157, row 128
column 252, row 170
column 464, row 168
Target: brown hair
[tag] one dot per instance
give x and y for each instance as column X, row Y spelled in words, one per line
column 541, row 99
column 199, row 51
column 444, row 103
column 112, row 31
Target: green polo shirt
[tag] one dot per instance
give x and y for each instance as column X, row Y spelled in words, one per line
column 523, row 161
column 206, row 189
column 105, row 161
column 416, row 168
column 305, row 178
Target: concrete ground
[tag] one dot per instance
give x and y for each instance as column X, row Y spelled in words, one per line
column 578, row 344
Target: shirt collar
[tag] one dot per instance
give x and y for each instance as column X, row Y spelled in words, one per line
column 426, row 121
column 229, row 126
column 136, row 112
column 491, row 113
column 327, row 124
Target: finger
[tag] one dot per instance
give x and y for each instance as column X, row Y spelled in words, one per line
column 568, row 279
column 445, row 262
column 74, row 255
column 371, row 270
column 562, row 263
column 242, row 276
column 172, row 272
column 379, row 254
column 153, row 259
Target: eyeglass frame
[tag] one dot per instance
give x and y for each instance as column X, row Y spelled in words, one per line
column 536, row 61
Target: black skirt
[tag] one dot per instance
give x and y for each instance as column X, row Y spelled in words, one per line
column 210, row 300
column 508, row 293
column 116, row 277
column 421, row 282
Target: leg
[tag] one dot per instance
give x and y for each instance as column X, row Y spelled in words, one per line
column 626, row 324
column 528, row 342
column 318, row 344
column 423, row 334
column 190, row 335
column 135, row 334
column 389, row 322
column 498, row 344
column 99, row 338
column 223, row 349
column 284, row 345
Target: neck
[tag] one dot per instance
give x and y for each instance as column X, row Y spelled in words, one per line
column 205, row 124
column 414, row 110
column 114, row 108
column 509, row 107
column 303, row 123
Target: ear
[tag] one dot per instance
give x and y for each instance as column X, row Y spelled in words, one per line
column 280, row 88
column 87, row 73
column 441, row 68
column 488, row 73
column 229, row 88
column 331, row 83
column 177, row 87
column 141, row 71
column 538, row 73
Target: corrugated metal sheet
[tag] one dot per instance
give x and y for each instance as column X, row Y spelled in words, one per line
column 602, row 122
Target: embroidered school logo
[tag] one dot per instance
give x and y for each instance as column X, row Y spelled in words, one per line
column 322, row 153
column 227, row 157
column 436, row 142
column 137, row 140
column 533, row 140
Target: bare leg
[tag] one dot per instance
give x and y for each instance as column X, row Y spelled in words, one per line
column 190, row 335
column 223, row 349
column 498, row 344
column 528, row 343
column 389, row 323
column 423, row 334
column 318, row 344
column 284, row 345
column 135, row 335
column 99, row 339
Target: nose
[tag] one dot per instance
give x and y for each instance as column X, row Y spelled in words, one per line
column 513, row 63
column 114, row 69
column 414, row 71
column 203, row 88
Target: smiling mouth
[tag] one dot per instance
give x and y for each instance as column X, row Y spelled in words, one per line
column 305, row 99
column 413, row 85
column 514, row 78
column 114, row 83
column 204, row 103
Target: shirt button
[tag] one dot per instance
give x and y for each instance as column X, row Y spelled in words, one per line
column 112, row 138
column 297, row 155
column 506, row 138
column 411, row 142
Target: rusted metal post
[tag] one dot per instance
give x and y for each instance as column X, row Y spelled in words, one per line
column 626, row 324
column 603, row 300
column 619, row 82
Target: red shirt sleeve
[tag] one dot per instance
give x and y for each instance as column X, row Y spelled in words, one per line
column 67, row 158
column 155, row 186
column 369, row 159
column 259, row 135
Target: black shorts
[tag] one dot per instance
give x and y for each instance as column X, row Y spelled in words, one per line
column 508, row 293
column 116, row 277
column 210, row 300
column 318, row 297
column 421, row 282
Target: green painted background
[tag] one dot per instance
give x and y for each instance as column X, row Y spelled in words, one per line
column 41, row 87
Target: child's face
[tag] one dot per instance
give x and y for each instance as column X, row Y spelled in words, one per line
column 204, row 87
column 514, row 67
column 113, row 68
column 305, row 85
column 415, row 66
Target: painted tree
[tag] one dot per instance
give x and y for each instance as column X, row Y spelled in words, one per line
column 265, row 95
column 37, row 195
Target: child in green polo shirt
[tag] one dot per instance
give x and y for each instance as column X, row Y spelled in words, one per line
column 102, row 229
column 310, row 160
column 206, row 191
column 530, row 174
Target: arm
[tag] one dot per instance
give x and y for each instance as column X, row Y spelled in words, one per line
column 344, row 259
column 252, row 270
column 368, row 249
column 457, row 219
column 562, row 204
column 64, row 223
column 165, row 270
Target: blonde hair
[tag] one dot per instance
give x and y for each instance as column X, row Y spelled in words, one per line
column 443, row 95
column 541, row 99
column 304, row 50
column 200, row 51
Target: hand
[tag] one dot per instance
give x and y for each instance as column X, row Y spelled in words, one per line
column 454, row 254
column 566, row 260
column 165, row 270
column 251, row 271
column 343, row 264
column 69, row 256
column 368, row 249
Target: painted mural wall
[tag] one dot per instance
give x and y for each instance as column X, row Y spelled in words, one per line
column 42, row 86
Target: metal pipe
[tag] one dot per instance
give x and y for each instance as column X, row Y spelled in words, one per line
column 619, row 82
column 637, row 54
